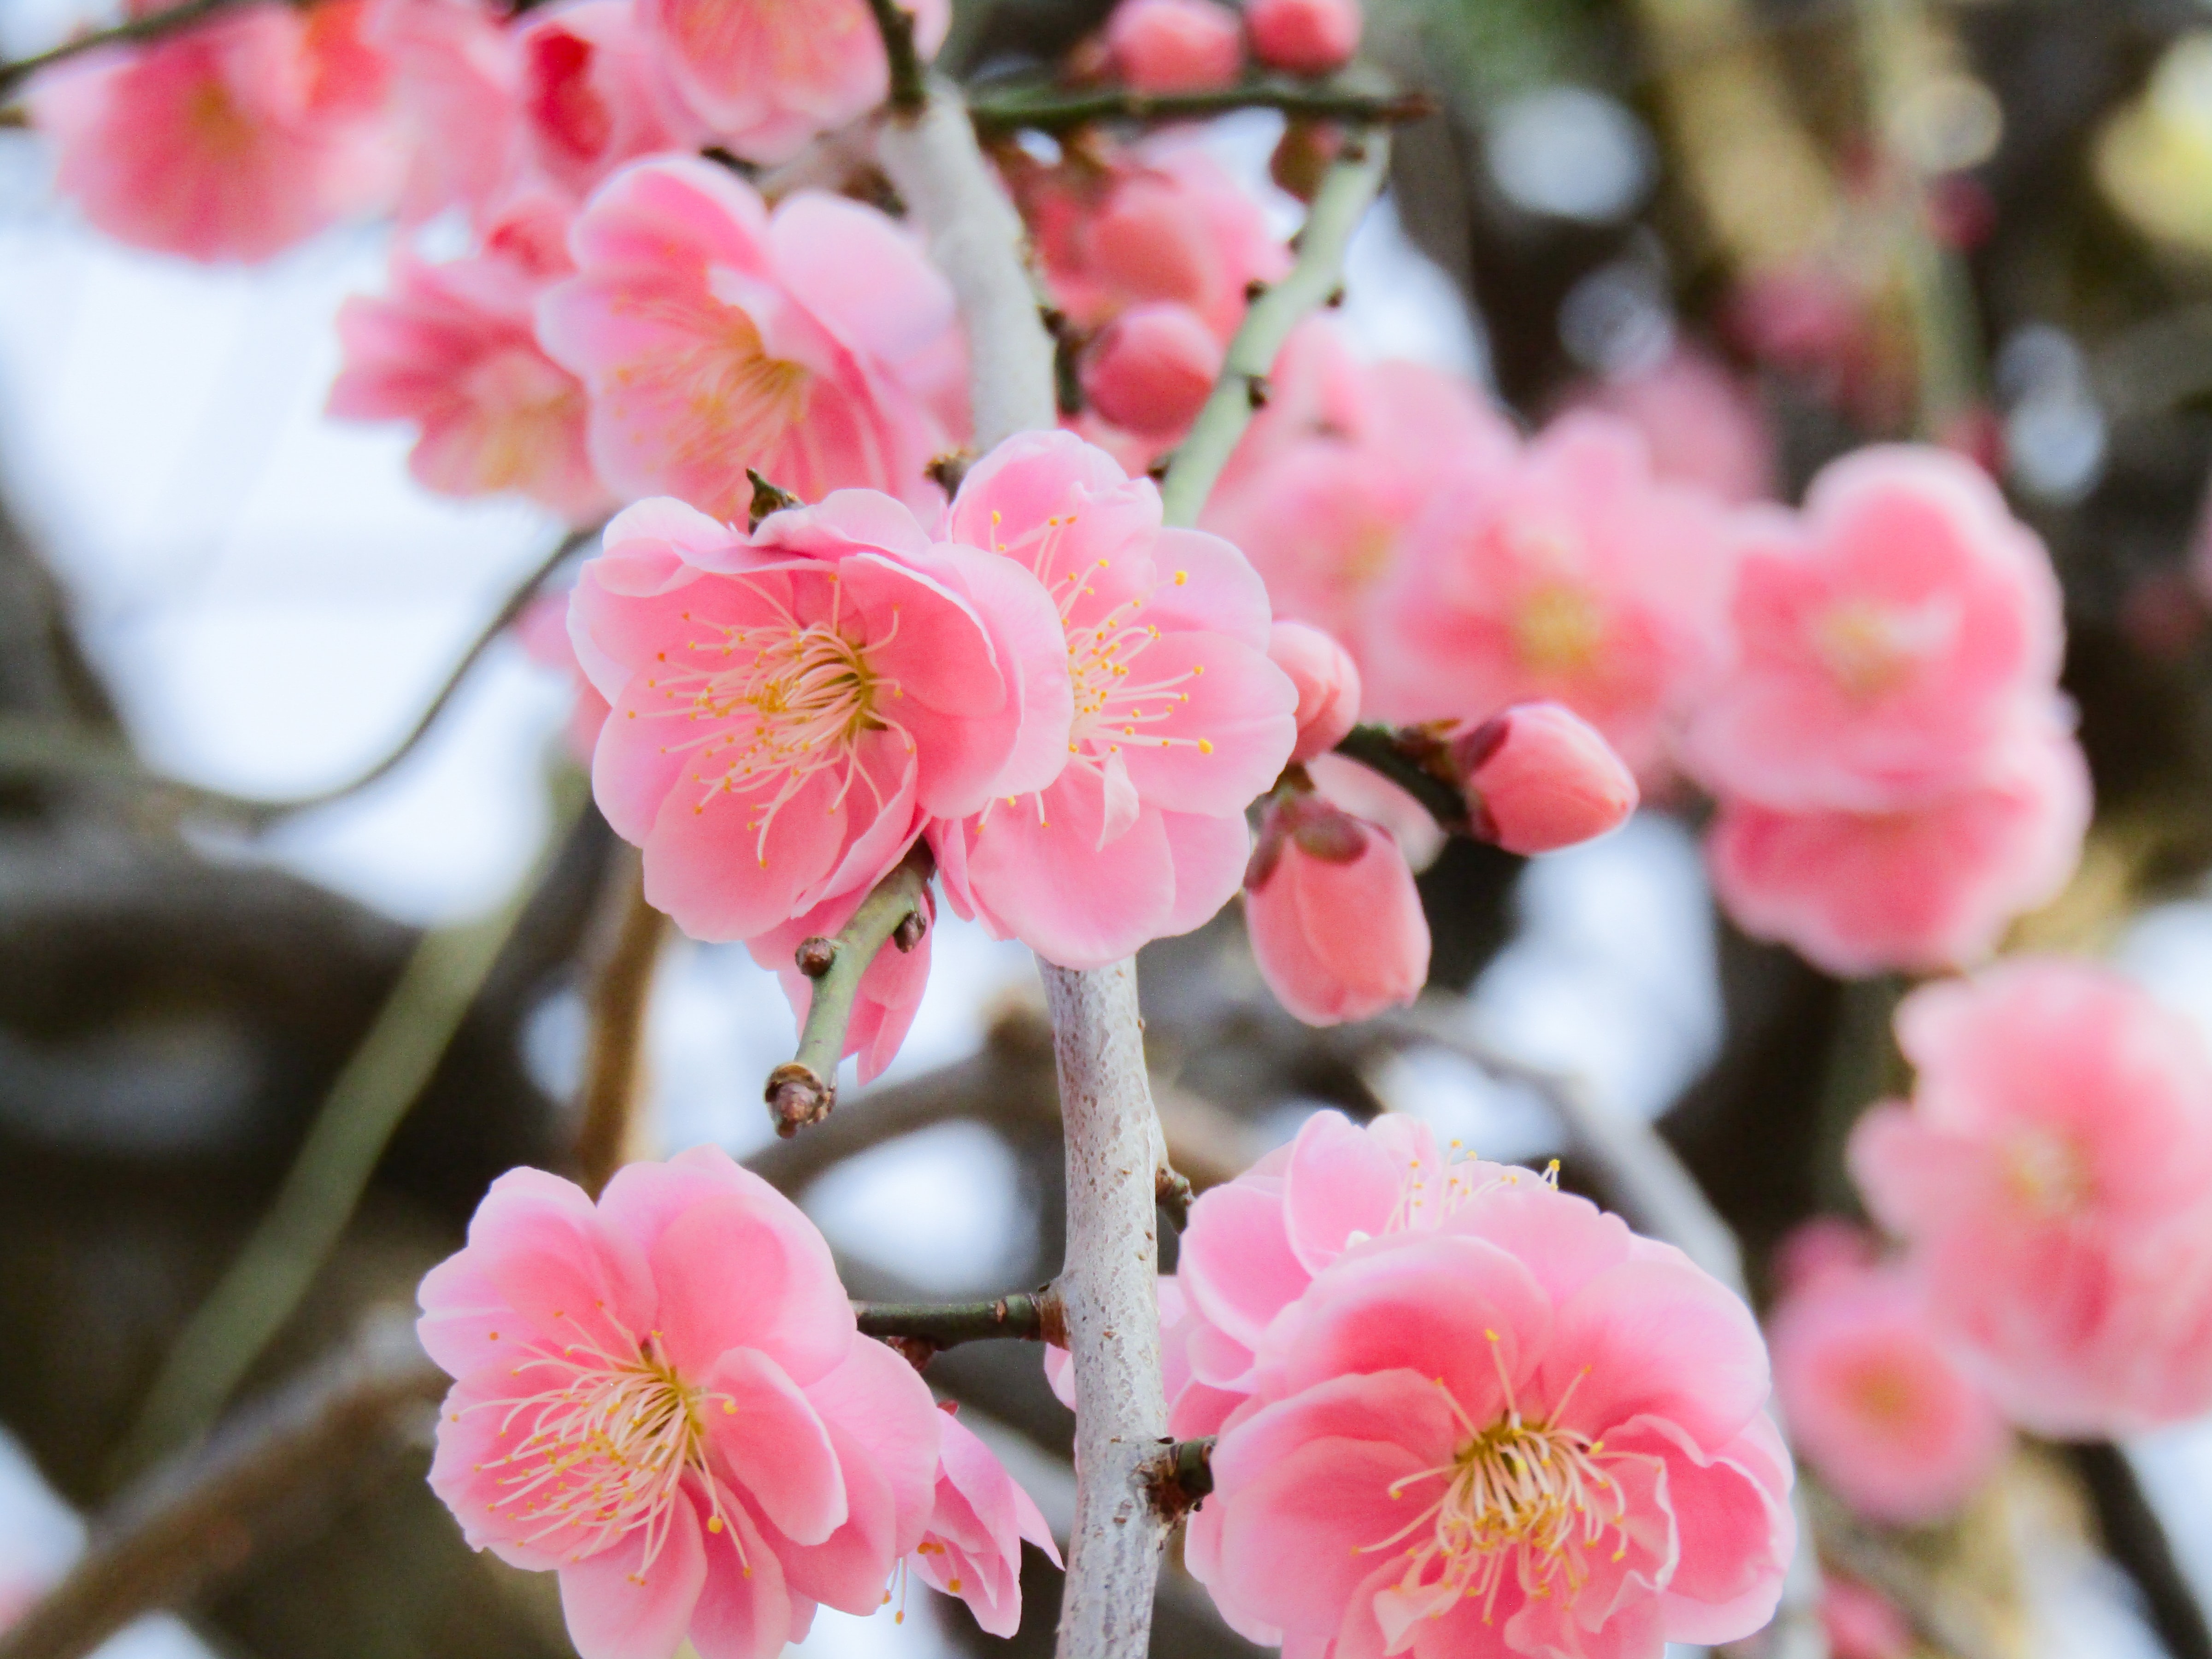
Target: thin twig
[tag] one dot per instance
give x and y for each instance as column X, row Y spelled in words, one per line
column 1413, row 758
column 2134, row 1536
column 152, row 26
column 191, row 1523
column 894, row 23
column 630, row 934
column 1338, row 207
column 925, row 1328
column 1053, row 109
column 804, row 1089
column 396, row 1060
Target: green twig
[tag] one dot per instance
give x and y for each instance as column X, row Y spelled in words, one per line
column 1413, row 759
column 1053, row 109
column 254, row 1299
column 803, row 1089
column 921, row 1328
column 895, row 24
column 1343, row 199
column 152, row 26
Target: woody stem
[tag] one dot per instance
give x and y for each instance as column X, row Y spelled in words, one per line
column 1029, row 1316
column 1049, row 109
column 1410, row 758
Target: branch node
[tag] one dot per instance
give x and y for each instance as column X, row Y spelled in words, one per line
column 1171, row 1191
column 798, row 1096
column 947, row 471
column 815, row 956
column 768, row 498
column 1182, row 1477
column 1257, row 390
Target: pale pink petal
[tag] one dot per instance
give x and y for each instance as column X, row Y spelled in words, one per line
column 620, row 1605
column 788, row 1310
column 771, row 1442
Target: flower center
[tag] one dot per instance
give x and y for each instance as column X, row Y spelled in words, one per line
column 1558, row 628
column 1871, row 650
column 602, row 1449
column 2047, row 1174
column 793, row 700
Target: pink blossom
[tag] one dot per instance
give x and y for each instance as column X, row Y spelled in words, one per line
column 1861, row 1622
column 1535, row 1433
column 1175, row 46
column 594, row 93
column 973, row 1547
column 1875, row 1402
column 1327, row 683
column 455, row 78
column 542, row 631
column 1336, row 469
column 768, row 75
column 1703, row 426
column 1306, row 37
column 1928, row 887
column 1335, row 922
column 454, row 350
column 696, row 1452
column 1540, row 777
column 1887, row 639
column 890, row 994
column 2050, row 1178
column 791, row 708
column 816, row 345
column 1181, row 719
column 1571, row 576
column 230, row 141
column 1152, row 369
column 1162, row 222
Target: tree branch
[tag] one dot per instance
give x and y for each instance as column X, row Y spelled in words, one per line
column 1338, row 207
column 194, row 1521
column 894, row 23
column 922, row 1328
column 1050, row 108
column 628, row 949
column 803, row 1089
column 1413, row 759
column 152, row 26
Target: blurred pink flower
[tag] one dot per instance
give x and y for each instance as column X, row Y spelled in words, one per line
column 1886, row 640
column 1152, row 369
column 1875, row 1401
column 1924, row 887
column 1861, row 1622
column 791, row 708
column 1532, row 1434
column 1337, row 467
column 454, row 349
column 1703, row 426
column 594, row 93
column 695, row 1452
column 1335, row 923
column 230, row 141
column 890, row 994
column 542, row 631
column 767, row 76
column 2052, row 1177
column 1540, row 777
column 1175, row 46
column 1327, row 683
column 1181, row 721
column 973, row 1547
column 818, row 345
column 455, row 83
column 1306, row 37
column 1571, row 575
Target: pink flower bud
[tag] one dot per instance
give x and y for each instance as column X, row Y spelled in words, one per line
column 1540, row 777
column 1306, row 37
column 1335, row 922
column 1152, row 369
column 1328, row 682
column 1175, row 46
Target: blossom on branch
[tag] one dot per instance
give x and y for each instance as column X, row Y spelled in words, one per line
column 1175, row 46
column 701, row 1455
column 594, row 93
column 1328, row 682
column 455, row 79
column 1335, row 922
column 1306, row 37
column 973, row 1546
column 1539, row 778
column 815, row 345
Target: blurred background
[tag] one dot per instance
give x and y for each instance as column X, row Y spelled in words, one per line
column 1986, row 223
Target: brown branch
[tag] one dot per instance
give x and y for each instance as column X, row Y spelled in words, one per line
column 152, row 26
column 920, row 1329
column 630, row 934
column 197, row 1520
column 1053, row 109
column 1414, row 758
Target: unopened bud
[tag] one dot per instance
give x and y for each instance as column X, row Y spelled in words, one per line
column 1152, row 369
column 1306, row 37
column 1328, row 681
column 1175, row 46
column 1540, row 777
column 1334, row 919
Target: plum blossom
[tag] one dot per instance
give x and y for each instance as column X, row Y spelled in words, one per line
column 2050, row 1178
column 1366, row 793
column 793, row 708
column 1875, row 1401
column 1332, row 473
column 700, row 1454
column 1152, row 369
column 1922, row 888
column 1335, row 923
column 766, row 76
column 1327, row 683
column 890, row 994
column 454, row 349
column 1539, row 778
column 972, row 1547
column 593, row 93
column 542, row 632
column 1175, row 46
column 1181, row 721
column 815, row 345
column 1572, row 575
column 1887, row 639
column 1306, row 37
column 455, row 82
column 1703, row 425
column 231, row 141
column 1531, row 1432
column 1862, row 1623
